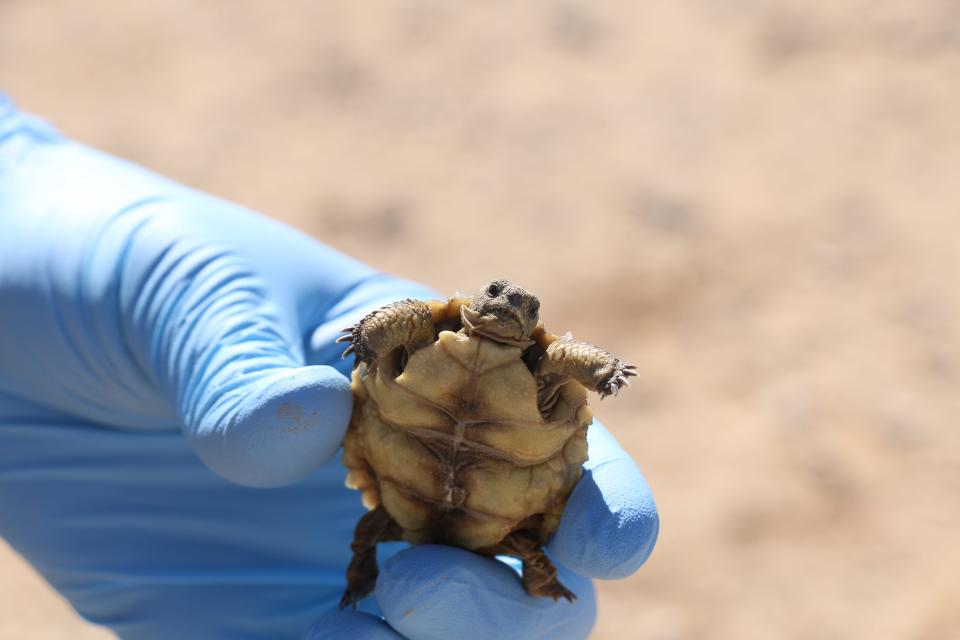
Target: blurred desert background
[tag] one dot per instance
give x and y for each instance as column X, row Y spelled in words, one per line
column 756, row 202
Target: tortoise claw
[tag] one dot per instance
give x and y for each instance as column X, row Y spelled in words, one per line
column 616, row 380
column 352, row 335
column 557, row 591
column 354, row 594
column 347, row 337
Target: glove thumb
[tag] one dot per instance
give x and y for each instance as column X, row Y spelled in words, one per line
column 234, row 363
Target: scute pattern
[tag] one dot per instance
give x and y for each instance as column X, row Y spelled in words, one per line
column 455, row 447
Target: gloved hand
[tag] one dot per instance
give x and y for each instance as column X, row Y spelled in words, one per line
column 144, row 328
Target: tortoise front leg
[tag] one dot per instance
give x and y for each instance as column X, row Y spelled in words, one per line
column 407, row 323
column 591, row 366
column 539, row 574
column 374, row 527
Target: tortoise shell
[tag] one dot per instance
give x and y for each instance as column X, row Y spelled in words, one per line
column 451, row 440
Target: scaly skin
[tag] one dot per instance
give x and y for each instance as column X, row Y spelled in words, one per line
column 539, row 574
column 591, row 366
column 374, row 527
column 407, row 323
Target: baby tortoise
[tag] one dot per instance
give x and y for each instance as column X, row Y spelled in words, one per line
column 469, row 428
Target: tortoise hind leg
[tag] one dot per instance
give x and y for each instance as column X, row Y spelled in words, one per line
column 374, row 527
column 539, row 574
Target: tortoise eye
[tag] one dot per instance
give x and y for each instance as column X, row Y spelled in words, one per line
column 494, row 289
column 533, row 309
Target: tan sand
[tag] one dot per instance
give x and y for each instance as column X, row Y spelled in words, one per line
column 756, row 202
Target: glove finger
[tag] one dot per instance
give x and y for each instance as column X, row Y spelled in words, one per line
column 162, row 298
column 610, row 524
column 229, row 356
column 350, row 625
column 430, row 592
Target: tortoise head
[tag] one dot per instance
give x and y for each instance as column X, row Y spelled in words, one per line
column 504, row 312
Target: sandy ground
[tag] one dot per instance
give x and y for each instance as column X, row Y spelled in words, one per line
column 754, row 201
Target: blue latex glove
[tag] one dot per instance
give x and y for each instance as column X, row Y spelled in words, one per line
column 164, row 358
